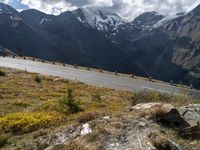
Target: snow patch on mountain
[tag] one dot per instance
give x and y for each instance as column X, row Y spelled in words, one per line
column 100, row 19
column 45, row 20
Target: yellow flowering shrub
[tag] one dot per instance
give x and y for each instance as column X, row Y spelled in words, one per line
column 19, row 123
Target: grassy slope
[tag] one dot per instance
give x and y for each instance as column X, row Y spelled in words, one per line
column 21, row 93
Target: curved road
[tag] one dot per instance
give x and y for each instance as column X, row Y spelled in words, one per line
column 92, row 77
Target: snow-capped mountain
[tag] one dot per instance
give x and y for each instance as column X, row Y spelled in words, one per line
column 148, row 20
column 164, row 47
column 103, row 20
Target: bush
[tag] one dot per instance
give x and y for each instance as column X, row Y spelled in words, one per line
column 20, row 123
column 2, row 73
column 38, row 79
column 3, row 139
column 69, row 101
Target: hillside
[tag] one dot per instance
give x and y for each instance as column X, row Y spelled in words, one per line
column 166, row 48
column 43, row 112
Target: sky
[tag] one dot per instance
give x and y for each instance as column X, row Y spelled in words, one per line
column 127, row 9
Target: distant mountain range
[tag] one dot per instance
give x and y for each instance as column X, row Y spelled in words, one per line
column 150, row 45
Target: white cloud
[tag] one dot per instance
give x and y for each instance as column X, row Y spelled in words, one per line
column 126, row 8
column 51, row 7
column 5, row 1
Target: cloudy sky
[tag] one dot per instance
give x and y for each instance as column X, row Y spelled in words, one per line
column 128, row 9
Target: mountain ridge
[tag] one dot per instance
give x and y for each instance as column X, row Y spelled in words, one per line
column 151, row 45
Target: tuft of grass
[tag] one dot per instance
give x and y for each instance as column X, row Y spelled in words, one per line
column 38, row 79
column 39, row 134
column 73, row 145
column 160, row 141
column 96, row 97
column 96, row 135
column 20, row 123
column 3, row 139
column 2, row 73
column 154, row 96
column 53, row 106
column 88, row 117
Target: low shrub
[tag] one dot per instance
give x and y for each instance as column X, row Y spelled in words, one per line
column 2, row 73
column 53, row 106
column 38, row 79
column 20, row 123
column 39, row 134
column 154, row 96
column 69, row 101
column 65, row 105
column 96, row 135
column 92, row 137
column 3, row 139
column 96, row 97
column 72, row 145
column 160, row 141
column 88, row 117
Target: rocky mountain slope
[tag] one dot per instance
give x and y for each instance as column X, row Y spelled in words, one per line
column 150, row 45
column 5, row 51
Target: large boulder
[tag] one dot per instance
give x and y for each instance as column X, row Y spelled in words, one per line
column 163, row 113
column 191, row 113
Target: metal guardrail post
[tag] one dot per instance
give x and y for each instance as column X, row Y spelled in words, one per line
column 150, row 78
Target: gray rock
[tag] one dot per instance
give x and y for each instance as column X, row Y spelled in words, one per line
column 191, row 114
column 166, row 114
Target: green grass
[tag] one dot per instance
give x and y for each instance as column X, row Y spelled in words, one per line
column 38, row 79
column 2, row 73
column 3, row 139
column 154, row 96
column 28, row 105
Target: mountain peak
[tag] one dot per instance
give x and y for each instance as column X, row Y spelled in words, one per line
column 196, row 10
column 35, row 17
column 148, row 19
column 99, row 18
column 7, row 9
column 33, row 11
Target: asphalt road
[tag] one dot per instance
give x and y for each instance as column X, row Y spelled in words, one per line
column 93, row 78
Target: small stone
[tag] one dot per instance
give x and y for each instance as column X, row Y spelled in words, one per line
column 107, row 118
column 86, row 129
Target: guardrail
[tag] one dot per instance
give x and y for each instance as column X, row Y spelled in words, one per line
column 150, row 79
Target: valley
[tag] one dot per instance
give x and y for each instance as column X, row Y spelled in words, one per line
column 166, row 48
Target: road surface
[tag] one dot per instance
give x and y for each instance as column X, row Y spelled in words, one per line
column 93, row 78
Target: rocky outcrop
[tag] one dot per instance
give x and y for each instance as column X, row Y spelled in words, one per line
column 186, row 119
column 191, row 114
column 166, row 114
column 138, row 135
